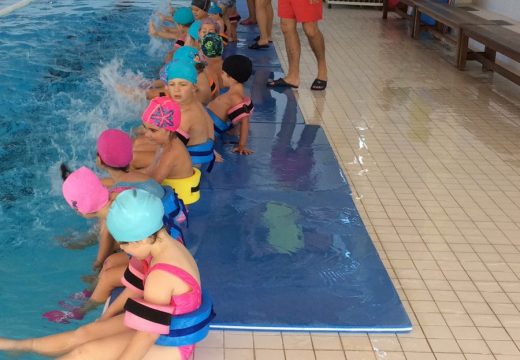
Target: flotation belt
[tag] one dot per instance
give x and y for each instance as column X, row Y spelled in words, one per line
column 188, row 189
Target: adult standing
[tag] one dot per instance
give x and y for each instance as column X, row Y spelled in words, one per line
column 264, row 19
column 251, row 19
column 307, row 12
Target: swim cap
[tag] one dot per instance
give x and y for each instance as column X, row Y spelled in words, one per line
column 163, row 112
column 201, row 4
column 135, row 215
column 183, row 16
column 214, row 9
column 180, row 69
column 188, row 54
column 114, row 147
column 194, row 29
column 84, row 192
column 239, row 67
column 211, row 45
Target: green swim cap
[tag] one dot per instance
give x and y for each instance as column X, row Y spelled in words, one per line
column 135, row 215
column 183, row 16
column 211, row 45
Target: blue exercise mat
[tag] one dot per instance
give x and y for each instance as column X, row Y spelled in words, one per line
column 279, row 242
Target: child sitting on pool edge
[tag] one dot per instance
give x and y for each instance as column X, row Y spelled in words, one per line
column 233, row 108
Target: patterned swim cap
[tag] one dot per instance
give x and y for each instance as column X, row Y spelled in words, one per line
column 211, row 45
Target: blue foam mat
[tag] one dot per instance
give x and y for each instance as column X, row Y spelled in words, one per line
column 279, row 242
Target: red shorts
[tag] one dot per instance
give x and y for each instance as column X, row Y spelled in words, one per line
column 301, row 10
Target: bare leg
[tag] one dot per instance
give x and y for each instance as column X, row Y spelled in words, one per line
column 317, row 43
column 54, row 345
column 292, row 46
column 112, row 347
column 270, row 16
column 108, row 280
column 263, row 21
column 252, row 11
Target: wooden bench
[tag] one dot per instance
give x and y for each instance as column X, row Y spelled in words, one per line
column 495, row 39
column 448, row 15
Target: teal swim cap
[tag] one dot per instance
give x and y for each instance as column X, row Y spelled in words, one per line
column 183, row 16
column 187, row 53
column 194, row 29
column 214, row 9
column 211, row 45
column 181, row 69
column 135, row 215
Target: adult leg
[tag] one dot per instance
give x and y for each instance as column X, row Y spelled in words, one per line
column 58, row 344
column 262, row 20
column 251, row 19
column 270, row 15
column 293, row 48
column 317, row 43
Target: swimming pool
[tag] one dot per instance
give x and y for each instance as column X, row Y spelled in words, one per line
column 59, row 63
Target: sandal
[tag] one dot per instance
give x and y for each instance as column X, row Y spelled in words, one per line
column 257, row 46
column 280, row 83
column 258, row 38
column 319, row 85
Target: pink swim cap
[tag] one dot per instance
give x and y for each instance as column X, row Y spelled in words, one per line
column 84, row 192
column 115, row 148
column 163, row 112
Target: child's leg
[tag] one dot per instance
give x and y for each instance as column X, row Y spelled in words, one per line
column 112, row 347
column 108, row 280
column 54, row 345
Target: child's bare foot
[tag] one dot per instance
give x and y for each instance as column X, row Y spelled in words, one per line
column 218, row 157
column 8, row 344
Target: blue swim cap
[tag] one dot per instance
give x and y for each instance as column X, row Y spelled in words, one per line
column 194, row 29
column 135, row 215
column 214, row 9
column 183, row 16
column 181, row 69
column 187, row 53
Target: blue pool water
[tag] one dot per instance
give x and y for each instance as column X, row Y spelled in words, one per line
column 59, row 62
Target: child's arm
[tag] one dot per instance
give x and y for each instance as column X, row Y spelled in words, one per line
column 157, row 291
column 243, row 136
column 168, row 35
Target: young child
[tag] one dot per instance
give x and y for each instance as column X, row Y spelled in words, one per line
column 215, row 13
column 183, row 18
column 171, row 164
column 206, row 87
column 233, row 108
column 212, row 48
column 163, row 282
column 231, row 18
column 196, row 127
column 114, row 155
column 200, row 8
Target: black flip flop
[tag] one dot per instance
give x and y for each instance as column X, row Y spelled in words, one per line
column 280, row 83
column 257, row 46
column 258, row 38
column 319, row 85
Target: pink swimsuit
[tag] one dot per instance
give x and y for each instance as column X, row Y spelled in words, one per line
column 183, row 303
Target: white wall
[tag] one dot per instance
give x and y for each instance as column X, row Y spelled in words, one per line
column 509, row 8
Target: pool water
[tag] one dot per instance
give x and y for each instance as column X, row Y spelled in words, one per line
column 60, row 62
